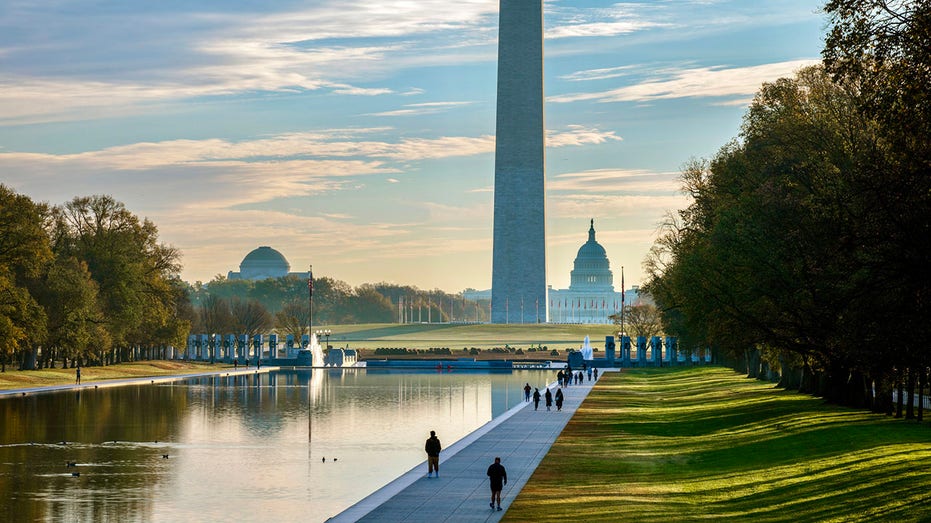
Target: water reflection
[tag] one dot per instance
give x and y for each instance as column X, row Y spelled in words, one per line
column 288, row 445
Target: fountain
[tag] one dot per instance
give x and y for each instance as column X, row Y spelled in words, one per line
column 312, row 354
column 316, row 351
column 587, row 349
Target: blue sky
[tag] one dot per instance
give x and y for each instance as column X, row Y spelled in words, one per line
column 358, row 135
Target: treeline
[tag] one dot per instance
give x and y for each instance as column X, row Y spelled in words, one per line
column 89, row 283
column 283, row 305
column 86, row 282
column 805, row 249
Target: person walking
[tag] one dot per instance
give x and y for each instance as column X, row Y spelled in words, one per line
column 549, row 398
column 527, row 392
column 77, row 375
column 499, row 478
column 536, row 399
column 589, row 374
column 596, row 374
column 433, row 447
column 559, row 398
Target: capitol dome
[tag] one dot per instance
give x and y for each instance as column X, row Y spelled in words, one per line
column 264, row 263
column 592, row 270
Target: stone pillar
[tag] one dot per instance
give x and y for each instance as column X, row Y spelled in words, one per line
column 625, row 351
column 656, row 348
column 518, row 274
column 609, row 349
column 671, row 350
column 257, row 342
column 641, row 350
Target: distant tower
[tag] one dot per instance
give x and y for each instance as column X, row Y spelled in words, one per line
column 518, row 274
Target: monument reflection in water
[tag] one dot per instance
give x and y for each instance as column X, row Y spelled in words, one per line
column 287, row 446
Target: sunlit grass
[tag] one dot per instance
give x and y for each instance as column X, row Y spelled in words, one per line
column 456, row 336
column 705, row 444
column 14, row 379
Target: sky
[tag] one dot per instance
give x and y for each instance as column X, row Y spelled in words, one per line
column 358, row 136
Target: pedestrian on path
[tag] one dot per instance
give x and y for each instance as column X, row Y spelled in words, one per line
column 536, row 399
column 559, row 399
column 589, row 374
column 527, row 392
column 433, row 447
column 499, row 478
column 549, row 398
column 596, row 374
column 77, row 375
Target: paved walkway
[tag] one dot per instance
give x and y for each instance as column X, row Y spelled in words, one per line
column 521, row 437
column 133, row 381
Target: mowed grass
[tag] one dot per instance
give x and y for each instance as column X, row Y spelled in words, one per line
column 15, row 379
column 706, row 444
column 456, row 336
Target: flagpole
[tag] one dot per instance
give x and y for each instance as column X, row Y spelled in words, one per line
column 310, row 300
column 622, row 300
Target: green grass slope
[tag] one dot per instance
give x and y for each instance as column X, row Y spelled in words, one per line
column 706, row 444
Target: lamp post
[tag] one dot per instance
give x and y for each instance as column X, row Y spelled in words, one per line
column 326, row 335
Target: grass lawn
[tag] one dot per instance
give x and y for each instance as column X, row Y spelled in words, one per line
column 455, row 337
column 706, row 444
column 15, row 379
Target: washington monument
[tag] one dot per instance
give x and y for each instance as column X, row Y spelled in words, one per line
column 518, row 274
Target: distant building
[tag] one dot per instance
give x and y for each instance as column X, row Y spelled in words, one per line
column 591, row 297
column 262, row 264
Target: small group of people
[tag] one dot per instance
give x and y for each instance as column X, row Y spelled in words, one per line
column 548, row 396
column 496, row 473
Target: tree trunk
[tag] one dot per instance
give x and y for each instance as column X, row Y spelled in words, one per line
column 910, row 400
column 922, row 381
column 29, row 358
column 899, row 396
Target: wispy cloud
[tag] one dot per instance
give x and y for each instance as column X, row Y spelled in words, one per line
column 421, row 108
column 600, row 74
column 627, row 181
column 579, row 135
column 715, row 81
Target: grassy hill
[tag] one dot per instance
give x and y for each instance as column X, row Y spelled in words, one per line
column 708, row 444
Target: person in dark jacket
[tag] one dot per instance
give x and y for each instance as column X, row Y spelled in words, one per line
column 559, row 398
column 499, row 478
column 549, row 398
column 527, row 392
column 433, row 447
column 536, row 399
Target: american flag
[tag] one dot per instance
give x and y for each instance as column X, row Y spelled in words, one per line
column 622, row 287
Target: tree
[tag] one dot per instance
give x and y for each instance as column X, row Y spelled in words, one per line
column 136, row 275
column 24, row 252
column 778, row 248
column 293, row 319
column 250, row 317
column 644, row 320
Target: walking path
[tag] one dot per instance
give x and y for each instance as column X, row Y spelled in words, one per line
column 521, row 437
column 132, row 381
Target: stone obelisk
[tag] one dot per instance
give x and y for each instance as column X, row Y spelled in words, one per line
column 518, row 274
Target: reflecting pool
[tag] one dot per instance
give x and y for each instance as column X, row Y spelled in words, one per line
column 287, row 446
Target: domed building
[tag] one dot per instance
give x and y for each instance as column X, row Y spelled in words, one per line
column 591, row 297
column 591, row 271
column 263, row 263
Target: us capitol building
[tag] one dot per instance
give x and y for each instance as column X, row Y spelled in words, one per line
column 591, row 297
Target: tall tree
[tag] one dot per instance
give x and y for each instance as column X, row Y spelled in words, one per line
column 24, row 252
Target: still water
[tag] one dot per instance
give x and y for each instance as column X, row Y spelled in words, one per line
column 244, row 448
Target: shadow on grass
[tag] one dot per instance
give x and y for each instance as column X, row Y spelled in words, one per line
column 707, row 444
